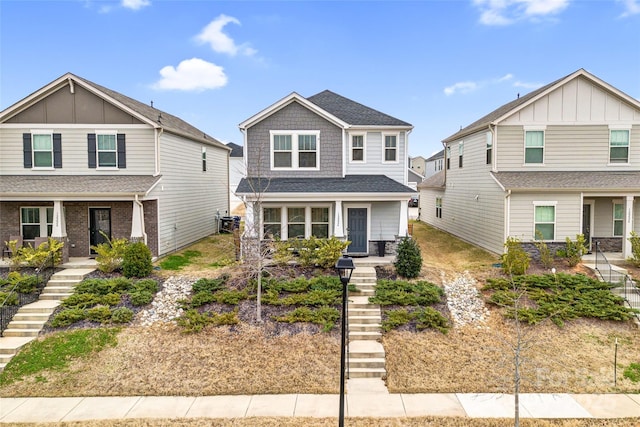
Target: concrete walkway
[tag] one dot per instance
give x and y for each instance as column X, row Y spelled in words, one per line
column 14, row 410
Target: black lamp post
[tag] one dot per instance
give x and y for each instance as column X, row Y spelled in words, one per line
column 344, row 267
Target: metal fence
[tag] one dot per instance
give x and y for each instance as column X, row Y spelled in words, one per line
column 623, row 284
column 43, row 273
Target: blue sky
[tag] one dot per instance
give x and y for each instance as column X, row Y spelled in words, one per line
column 438, row 65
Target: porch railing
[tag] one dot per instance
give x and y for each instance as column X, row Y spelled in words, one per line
column 623, row 284
column 43, row 273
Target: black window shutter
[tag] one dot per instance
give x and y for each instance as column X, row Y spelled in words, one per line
column 26, row 148
column 57, row 150
column 122, row 152
column 91, row 143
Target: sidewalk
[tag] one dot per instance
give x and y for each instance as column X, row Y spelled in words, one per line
column 474, row 405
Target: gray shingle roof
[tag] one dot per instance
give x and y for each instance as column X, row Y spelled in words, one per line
column 348, row 184
column 236, row 150
column 352, row 112
column 438, row 155
column 76, row 184
column 166, row 120
column 434, row 181
column 586, row 180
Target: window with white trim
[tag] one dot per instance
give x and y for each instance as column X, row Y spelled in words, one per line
column 489, row 147
column 460, row 153
column 544, row 222
column 320, row 222
column 357, row 148
column 295, row 223
column 294, row 149
column 619, row 146
column 272, row 221
column 534, row 147
column 448, row 156
column 36, row 222
column 42, row 150
column 390, row 148
column 204, row 159
column 107, row 150
column 438, row 207
column 618, row 219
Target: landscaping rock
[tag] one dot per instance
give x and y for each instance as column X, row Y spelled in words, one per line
column 164, row 307
column 464, row 301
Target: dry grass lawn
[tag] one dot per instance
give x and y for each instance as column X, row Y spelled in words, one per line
column 251, row 359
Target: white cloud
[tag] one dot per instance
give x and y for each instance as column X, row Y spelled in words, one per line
column 219, row 41
column 506, row 12
column 460, row 87
column 471, row 86
column 631, row 7
column 135, row 4
column 192, row 74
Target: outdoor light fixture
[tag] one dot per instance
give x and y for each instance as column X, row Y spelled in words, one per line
column 344, row 267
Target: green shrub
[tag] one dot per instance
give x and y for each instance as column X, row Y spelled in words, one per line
column 99, row 313
column 137, row 260
column 193, row 321
column 34, row 257
column 574, row 250
column 408, row 258
column 230, row 297
column 311, row 251
column 201, row 298
column 399, row 292
column 546, row 256
column 395, row 318
column 515, row 261
column 635, row 249
column 329, row 250
column 139, row 298
column 208, row 285
column 110, row 253
column 81, row 300
column 68, row 317
column 8, row 298
column 110, row 299
column 632, row 372
column 228, row 318
column 118, row 285
column 148, row 285
column 430, row 318
column 325, row 316
column 121, row 315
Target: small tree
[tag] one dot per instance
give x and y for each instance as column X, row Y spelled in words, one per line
column 408, row 259
column 546, row 256
column 515, row 261
column 574, row 250
column 137, row 260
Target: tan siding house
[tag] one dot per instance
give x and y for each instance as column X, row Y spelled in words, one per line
column 560, row 161
column 78, row 160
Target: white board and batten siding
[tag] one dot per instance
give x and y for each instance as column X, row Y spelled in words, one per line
column 139, row 140
column 568, row 209
column 189, row 197
column 374, row 156
column 384, row 220
column 473, row 204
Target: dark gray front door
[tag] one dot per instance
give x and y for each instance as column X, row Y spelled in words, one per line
column 99, row 220
column 357, row 230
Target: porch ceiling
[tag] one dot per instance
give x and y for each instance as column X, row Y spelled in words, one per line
column 78, row 185
column 570, row 180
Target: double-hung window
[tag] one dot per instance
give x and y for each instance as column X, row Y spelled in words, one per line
column 460, row 153
column 42, row 150
column 295, row 223
column 448, row 156
column 438, row 207
column 320, row 222
column 294, row 149
column 618, row 219
column 390, row 148
column 36, row 222
column 272, row 220
column 489, row 147
column 107, row 151
column 544, row 221
column 357, row 148
column 534, row 147
column 204, row 159
column 619, row 146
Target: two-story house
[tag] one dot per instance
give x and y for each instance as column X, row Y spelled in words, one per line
column 78, row 160
column 560, row 161
column 326, row 166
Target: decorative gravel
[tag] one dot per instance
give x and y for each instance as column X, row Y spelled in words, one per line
column 164, row 307
column 464, row 301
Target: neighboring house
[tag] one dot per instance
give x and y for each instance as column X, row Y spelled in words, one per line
column 78, row 160
column 236, row 173
column 434, row 164
column 560, row 161
column 418, row 164
column 326, row 166
column 414, row 179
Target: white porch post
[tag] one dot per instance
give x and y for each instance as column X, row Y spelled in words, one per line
column 338, row 226
column 137, row 223
column 250, row 229
column 403, row 228
column 628, row 227
column 59, row 228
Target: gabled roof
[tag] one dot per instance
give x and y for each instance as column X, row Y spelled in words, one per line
column 349, row 184
column 438, row 155
column 568, row 180
column 335, row 108
column 145, row 113
column 434, row 181
column 514, row 106
column 236, row 150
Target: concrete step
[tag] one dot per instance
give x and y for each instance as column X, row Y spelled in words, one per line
column 356, row 336
column 32, row 316
column 366, row 386
column 367, row 373
column 26, row 324
column 6, row 358
column 2, row 366
column 366, row 293
column 54, row 297
column 57, row 290
column 375, row 363
column 363, row 280
column 72, row 274
column 364, row 327
column 363, row 271
column 369, row 310
column 21, row 332
column 46, row 306
column 11, row 345
column 359, row 301
column 354, row 320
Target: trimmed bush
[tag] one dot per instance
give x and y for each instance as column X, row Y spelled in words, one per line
column 139, row 298
column 137, row 260
column 408, row 258
column 515, row 260
column 121, row 315
column 99, row 313
column 68, row 317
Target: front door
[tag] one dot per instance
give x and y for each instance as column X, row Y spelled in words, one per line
column 99, row 221
column 586, row 225
column 357, row 230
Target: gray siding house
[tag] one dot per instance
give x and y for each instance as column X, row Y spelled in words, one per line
column 560, row 161
column 78, row 159
column 326, row 166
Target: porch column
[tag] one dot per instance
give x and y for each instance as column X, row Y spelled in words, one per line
column 628, row 227
column 403, row 228
column 59, row 228
column 338, row 226
column 250, row 229
column 137, row 223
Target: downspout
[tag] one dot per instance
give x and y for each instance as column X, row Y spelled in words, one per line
column 345, row 151
column 406, row 163
column 139, row 203
column 507, row 222
column 245, row 161
column 158, row 134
